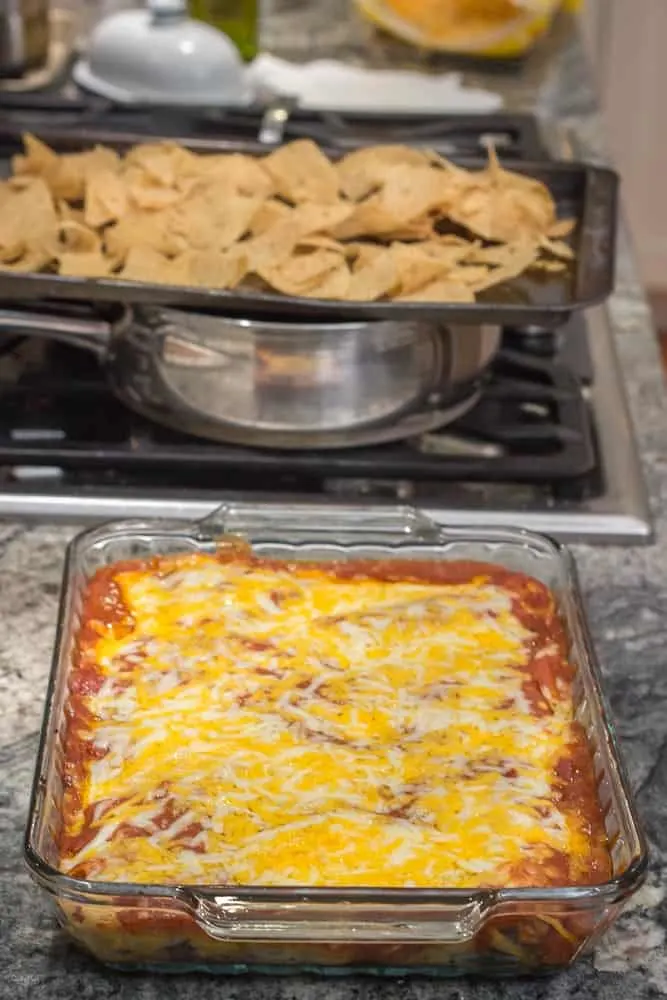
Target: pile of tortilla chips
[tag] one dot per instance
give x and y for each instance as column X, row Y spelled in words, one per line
column 382, row 223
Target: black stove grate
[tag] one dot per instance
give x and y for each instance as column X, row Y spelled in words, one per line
column 516, row 136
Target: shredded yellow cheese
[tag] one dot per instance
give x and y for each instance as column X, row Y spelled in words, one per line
column 310, row 730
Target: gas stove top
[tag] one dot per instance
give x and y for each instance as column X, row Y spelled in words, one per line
column 548, row 446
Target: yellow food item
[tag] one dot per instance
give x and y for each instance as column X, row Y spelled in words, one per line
column 495, row 28
column 272, row 723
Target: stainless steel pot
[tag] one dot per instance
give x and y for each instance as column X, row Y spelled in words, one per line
column 274, row 384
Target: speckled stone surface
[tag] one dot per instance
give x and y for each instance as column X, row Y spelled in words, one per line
column 626, row 592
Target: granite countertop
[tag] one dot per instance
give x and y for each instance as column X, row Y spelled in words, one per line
column 626, row 592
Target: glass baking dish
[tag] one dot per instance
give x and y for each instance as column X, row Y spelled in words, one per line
column 233, row 929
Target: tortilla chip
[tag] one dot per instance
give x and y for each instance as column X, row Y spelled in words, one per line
column 500, row 205
column 29, row 218
column 490, row 256
column 502, row 216
column 362, row 254
column 144, row 263
column 215, row 268
column 102, row 158
column 410, row 192
column 520, row 257
column 142, row 228
column 13, row 251
column 37, row 159
column 557, row 248
column 372, row 220
column 321, row 243
column 33, row 260
column 376, row 280
column 448, row 252
column 105, row 198
column 15, row 184
column 364, row 170
column 69, row 179
column 301, row 172
column 500, row 178
column 450, row 240
column 315, row 218
column 273, row 246
column 181, row 269
column 162, row 162
column 91, row 264
column 335, row 284
column 300, row 272
column 69, row 214
column 562, row 228
column 79, row 238
column 415, row 232
column 549, row 266
column 417, row 269
column 65, row 175
column 157, row 163
column 367, row 219
column 144, row 191
column 205, row 222
column 267, row 215
column 276, row 244
column 242, row 174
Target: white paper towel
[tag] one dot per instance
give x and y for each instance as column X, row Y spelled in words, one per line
column 327, row 84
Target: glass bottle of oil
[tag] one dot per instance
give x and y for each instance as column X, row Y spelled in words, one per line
column 239, row 19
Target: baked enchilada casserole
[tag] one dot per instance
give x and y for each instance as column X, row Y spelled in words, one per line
column 234, row 720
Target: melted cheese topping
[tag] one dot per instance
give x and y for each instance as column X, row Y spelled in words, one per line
column 270, row 726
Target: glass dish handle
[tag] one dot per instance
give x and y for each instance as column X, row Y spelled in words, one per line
column 336, row 520
column 229, row 918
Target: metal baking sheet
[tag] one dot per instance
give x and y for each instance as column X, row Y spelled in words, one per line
column 587, row 193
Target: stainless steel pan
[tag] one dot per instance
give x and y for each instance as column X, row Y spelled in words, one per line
column 273, row 384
